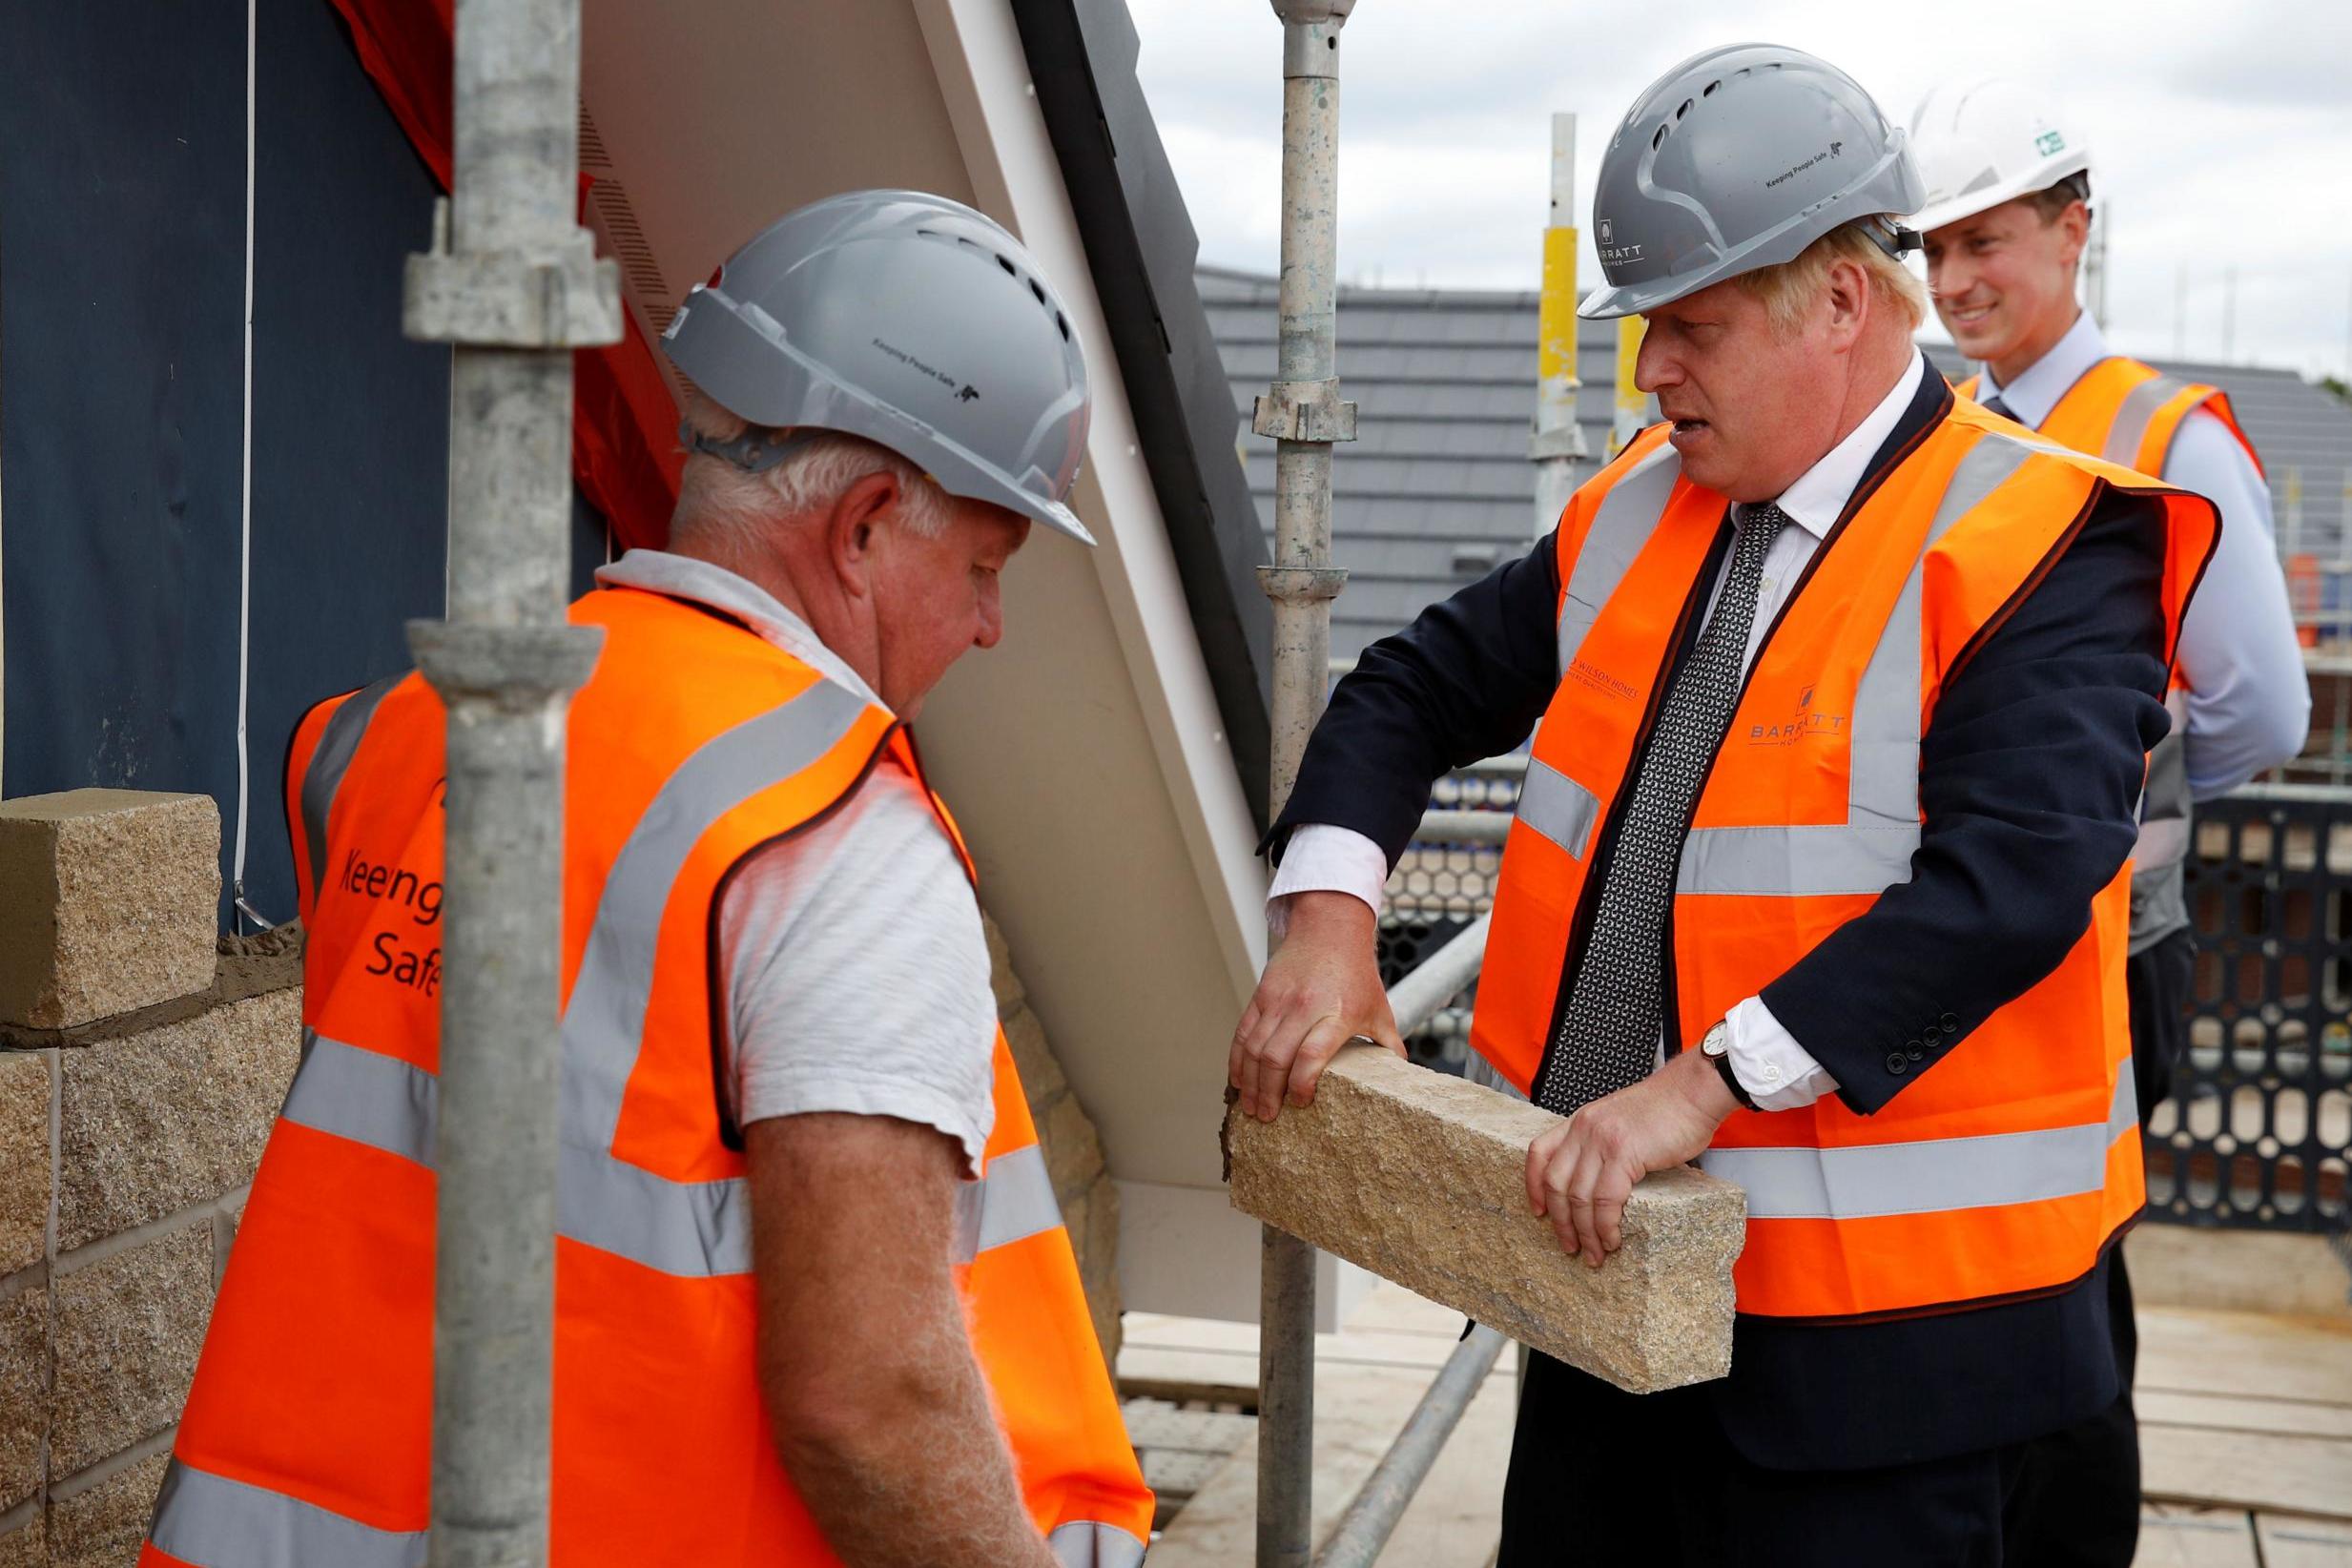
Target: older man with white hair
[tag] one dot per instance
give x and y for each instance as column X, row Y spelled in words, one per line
column 1843, row 693
column 814, row 1300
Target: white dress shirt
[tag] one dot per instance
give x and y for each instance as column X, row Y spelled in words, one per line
column 1778, row 1073
column 2249, row 701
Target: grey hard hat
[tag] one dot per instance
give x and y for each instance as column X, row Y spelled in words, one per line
column 909, row 319
column 1739, row 158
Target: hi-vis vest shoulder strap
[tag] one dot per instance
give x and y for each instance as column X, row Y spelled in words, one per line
column 305, row 1440
column 2008, row 1166
column 2129, row 413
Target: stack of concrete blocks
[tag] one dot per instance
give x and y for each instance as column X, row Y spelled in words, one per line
column 1073, row 1149
column 140, row 1074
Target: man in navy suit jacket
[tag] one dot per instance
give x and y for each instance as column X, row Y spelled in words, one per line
column 1857, row 1442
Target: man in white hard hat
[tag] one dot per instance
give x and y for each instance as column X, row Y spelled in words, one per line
column 1843, row 693
column 2007, row 219
column 815, row 1304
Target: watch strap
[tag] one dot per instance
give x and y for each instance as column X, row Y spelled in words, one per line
column 1731, row 1080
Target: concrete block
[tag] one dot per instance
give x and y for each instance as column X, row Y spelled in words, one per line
column 109, row 901
column 101, row 1526
column 1073, row 1149
column 155, row 1121
column 23, row 1157
column 1010, row 992
column 24, row 1393
column 1092, row 1219
column 1421, row 1178
column 1040, row 1075
column 127, row 1331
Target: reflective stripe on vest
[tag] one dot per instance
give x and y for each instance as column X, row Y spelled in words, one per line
column 1083, row 1543
column 214, row 1522
column 211, row 1521
column 327, row 765
column 1619, row 532
column 1872, row 850
column 1871, row 1181
column 370, row 1098
column 2132, row 420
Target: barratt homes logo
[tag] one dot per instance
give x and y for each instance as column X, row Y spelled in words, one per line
column 1800, row 724
column 1610, row 250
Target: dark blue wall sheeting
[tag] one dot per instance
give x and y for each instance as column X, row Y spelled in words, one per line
column 122, row 191
column 122, row 222
column 350, row 419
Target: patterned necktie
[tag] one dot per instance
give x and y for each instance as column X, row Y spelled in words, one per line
column 1608, row 1036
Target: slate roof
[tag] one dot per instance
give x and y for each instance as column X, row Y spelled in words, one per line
column 1437, row 486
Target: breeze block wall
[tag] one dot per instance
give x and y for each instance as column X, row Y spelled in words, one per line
column 142, row 1062
column 1073, row 1149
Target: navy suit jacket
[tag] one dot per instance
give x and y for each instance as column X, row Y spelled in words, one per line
column 2030, row 778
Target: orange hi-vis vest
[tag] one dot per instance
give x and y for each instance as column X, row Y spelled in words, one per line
column 305, row 1442
column 2007, row 1169
column 2127, row 413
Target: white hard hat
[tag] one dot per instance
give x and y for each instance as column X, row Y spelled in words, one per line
column 1982, row 142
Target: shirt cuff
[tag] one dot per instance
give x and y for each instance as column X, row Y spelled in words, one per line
column 1778, row 1073
column 1323, row 858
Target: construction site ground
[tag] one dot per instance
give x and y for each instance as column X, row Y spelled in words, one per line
column 2245, row 1423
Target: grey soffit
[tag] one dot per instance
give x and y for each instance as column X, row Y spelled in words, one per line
column 1141, row 251
column 1444, row 380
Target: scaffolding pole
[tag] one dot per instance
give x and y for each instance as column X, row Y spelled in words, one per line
column 1303, row 414
column 513, row 284
column 1556, row 445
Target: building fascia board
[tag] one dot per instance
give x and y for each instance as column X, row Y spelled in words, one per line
column 1140, row 249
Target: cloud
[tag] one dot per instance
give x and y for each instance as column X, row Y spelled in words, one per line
column 2222, row 142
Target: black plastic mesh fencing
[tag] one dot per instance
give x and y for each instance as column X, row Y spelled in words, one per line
column 2257, row 1131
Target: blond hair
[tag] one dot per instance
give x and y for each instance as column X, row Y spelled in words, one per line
column 719, row 503
column 1789, row 288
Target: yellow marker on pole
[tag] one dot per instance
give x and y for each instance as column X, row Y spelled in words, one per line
column 1633, row 406
column 1556, row 444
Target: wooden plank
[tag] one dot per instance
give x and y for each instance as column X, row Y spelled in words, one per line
column 2245, row 1353
column 1188, row 1377
column 2173, row 1536
column 1358, row 1347
column 1156, row 1423
column 1453, row 1521
column 2290, row 1473
column 1390, row 1306
column 2309, row 1418
column 2289, row 1542
column 1177, row 1475
column 2243, row 1271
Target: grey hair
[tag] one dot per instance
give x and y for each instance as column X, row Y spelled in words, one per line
column 721, row 503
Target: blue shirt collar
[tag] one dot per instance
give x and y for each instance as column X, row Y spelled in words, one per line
column 2037, row 389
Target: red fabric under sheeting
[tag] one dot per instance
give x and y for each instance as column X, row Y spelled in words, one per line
column 624, row 425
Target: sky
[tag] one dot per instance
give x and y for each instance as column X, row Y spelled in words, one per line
column 2221, row 133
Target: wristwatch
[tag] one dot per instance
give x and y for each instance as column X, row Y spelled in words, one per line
column 1716, row 1047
